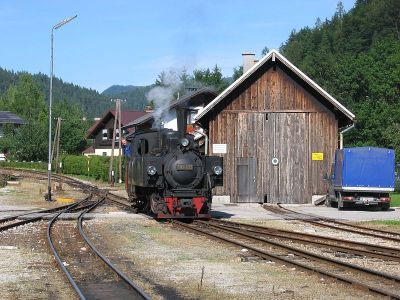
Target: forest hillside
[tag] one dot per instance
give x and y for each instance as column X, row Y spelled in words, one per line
column 355, row 56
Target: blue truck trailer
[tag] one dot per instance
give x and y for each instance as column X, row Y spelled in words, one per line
column 362, row 175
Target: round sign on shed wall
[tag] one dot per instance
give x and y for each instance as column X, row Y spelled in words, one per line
column 275, row 161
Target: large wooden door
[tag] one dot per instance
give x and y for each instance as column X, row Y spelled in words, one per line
column 272, row 158
column 288, row 159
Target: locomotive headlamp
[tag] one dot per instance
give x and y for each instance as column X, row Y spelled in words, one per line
column 184, row 142
column 151, row 170
column 217, row 170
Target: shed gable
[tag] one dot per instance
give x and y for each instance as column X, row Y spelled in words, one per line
column 272, row 91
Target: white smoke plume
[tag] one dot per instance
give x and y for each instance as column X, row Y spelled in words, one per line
column 163, row 94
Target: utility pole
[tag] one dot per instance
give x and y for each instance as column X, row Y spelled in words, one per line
column 110, row 169
column 117, row 126
column 119, row 144
column 56, row 143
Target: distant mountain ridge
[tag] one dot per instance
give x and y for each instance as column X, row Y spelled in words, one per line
column 92, row 102
column 135, row 96
column 118, row 89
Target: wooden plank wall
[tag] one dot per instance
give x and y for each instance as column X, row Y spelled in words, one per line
column 297, row 125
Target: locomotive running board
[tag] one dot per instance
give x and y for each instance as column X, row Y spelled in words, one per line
column 168, row 216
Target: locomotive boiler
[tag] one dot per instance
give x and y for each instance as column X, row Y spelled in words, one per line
column 168, row 175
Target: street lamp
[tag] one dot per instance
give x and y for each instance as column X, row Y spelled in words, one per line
column 58, row 25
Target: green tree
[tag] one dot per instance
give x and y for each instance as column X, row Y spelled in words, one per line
column 25, row 99
column 27, row 142
column 211, row 78
column 73, row 127
column 30, row 142
column 237, row 72
column 355, row 56
column 264, row 51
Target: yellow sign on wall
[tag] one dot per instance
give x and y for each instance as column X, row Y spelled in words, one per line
column 317, row 156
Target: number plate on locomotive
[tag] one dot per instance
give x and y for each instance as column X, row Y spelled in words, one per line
column 184, row 167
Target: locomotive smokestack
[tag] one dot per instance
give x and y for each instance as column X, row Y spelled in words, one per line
column 181, row 118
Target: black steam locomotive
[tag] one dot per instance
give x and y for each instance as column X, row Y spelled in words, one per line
column 168, row 175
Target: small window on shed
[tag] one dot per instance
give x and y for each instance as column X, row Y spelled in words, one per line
column 104, row 133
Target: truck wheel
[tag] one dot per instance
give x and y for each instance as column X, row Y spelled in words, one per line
column 385, row 206
column 328, row 202
column 340, row 204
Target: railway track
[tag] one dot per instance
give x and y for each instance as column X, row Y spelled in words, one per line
column 365, row 250
column 377, row 282
column 111, row 282
column 42, row 214
column 333, row 224
column 266, row 243
column 90, row 279
column 89, row 188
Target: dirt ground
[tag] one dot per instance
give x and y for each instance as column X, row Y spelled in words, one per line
column 194, row 267
column 167, row 263
column 29, row 194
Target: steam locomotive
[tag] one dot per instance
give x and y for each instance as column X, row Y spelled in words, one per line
column 168, row 175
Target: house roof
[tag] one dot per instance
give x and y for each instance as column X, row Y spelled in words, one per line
column 89, row 150
column 126, row 117
column 274, row 55
column 189, row 97
column 9, row 117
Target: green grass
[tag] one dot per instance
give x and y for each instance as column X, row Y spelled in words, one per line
column 395, row 199
column 91, row 179
column 385, row 222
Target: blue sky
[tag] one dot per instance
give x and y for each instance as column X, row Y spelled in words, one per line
column 131, row 42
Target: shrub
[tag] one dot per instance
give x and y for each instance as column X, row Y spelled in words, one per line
column 397, row 185
column 24, row 165
column 95, row 167
column 74, row 165
column 98, row 167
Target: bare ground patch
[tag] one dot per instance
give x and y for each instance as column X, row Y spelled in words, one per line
column 194, row 267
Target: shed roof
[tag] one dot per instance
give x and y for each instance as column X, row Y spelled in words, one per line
column 9, row 117
column 173, row 104
column 274, row 55
column 126, row 117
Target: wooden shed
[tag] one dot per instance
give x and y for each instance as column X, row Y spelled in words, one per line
column 277, row 131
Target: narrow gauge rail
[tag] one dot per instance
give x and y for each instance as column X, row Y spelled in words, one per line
column 373, row 281
column 289, row 214
column 43, row 213
column 138, row 293
column 342, row 245
column 70, row 181
column 133, row 291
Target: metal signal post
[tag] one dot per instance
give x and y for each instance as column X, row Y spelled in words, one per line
column 58, row 25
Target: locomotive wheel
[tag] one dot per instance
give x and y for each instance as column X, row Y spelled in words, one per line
column 142, row 205
column 157, row 204
column 139, row 201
